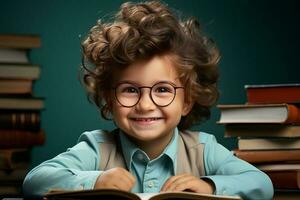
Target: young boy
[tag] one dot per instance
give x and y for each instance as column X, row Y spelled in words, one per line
column 155, row 76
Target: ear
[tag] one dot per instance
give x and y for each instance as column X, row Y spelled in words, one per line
column 108, row 100
column 187, row 107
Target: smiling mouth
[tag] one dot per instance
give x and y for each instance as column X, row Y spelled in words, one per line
column 147, row 119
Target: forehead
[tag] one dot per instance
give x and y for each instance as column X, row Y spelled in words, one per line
column 158, row 68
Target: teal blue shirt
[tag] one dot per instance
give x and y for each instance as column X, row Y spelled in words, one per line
column 150, row 174
column 78, row 168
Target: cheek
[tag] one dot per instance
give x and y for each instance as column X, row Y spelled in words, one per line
column 119, row 112
column 185, row 104
column 173, row 112
column 116, row 109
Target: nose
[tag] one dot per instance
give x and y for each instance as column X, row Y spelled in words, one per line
column 145, row 102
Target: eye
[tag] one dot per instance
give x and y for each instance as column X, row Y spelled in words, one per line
column 163, row 88
column 129, row 89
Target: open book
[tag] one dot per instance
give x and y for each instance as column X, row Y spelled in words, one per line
column 119, row 194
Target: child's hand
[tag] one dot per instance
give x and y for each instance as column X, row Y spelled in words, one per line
column 118, row 178
column 188, row 182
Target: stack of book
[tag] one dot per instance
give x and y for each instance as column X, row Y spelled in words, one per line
column 268, row 130
column 19, row 110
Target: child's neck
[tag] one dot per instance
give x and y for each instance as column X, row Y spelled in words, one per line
column 154, row 148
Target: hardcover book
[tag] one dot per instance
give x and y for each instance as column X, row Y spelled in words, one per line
column 268, row 156
column 273, row 93
column 11, row 190
column 279, row 167
column 286, row 194
column 268, row 143
column 120, row 194
column 259, row 113
column 20, row 41
column 21, row 138
column 13, row 56
column 30, row 103
column 285, row 179
column 19, row 71
column 18, row 158
column 262, row 130
column 15, row 86
column 20, row 119
column 12, row 176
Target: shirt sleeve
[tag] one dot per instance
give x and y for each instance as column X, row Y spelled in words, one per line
column 77, row 168
column 231, row 175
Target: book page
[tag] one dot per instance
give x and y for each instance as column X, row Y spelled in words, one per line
column 146, row 196
column 184, row 195
column 119, row 194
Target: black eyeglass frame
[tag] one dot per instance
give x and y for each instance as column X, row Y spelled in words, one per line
column 150, row 93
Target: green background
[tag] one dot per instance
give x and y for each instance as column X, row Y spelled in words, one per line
column 259, row 42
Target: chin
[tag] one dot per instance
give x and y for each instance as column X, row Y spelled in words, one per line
column 144, row 137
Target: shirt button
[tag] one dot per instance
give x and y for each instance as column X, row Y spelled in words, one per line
column 150, row 184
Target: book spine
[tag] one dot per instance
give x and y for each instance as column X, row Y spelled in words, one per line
column 286, row 179
column 11, row 190
column 273, row 95
column 13, row 176
column 294, row 114
column 20, row 41
column 20, row 120
column 14, row 159
column 268, row 156
column 20, row 138
column 268, row 144
column 16, row 87
column 262, row 130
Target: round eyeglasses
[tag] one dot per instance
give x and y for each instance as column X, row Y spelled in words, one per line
column 162, row 93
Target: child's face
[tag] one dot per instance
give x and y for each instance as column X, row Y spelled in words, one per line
column 145, row 121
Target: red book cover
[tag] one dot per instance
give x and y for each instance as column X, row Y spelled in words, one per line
column 21, row 138
column 273, row 93
column 268, row 156
column 285, row 179
column 20, row 119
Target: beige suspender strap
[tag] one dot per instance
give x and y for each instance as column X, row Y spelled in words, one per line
column 190, row 154
column 110, row 152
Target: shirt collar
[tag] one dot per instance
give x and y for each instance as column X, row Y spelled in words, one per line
column 171, row 149
column 129, row 149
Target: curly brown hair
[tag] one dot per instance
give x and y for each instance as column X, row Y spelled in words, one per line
column 141, row 31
